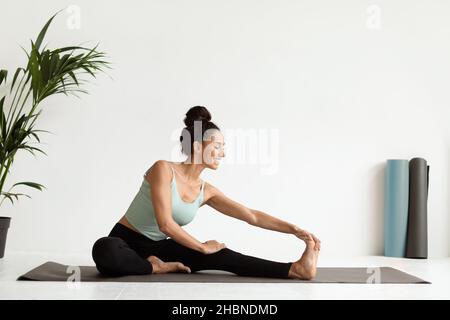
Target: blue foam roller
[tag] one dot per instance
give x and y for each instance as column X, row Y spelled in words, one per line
column 396, row 191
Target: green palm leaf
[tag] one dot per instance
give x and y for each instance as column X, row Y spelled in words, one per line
column 30, row 184
column 3, row 74
column 48, row 72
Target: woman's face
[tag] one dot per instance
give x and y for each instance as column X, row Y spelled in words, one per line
column 213, row 149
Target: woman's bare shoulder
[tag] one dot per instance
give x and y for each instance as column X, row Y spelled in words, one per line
column 159, row 167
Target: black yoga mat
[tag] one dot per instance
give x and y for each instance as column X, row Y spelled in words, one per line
column 52, row 271
column 417, row 238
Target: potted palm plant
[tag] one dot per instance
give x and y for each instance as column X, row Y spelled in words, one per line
column 47, row 73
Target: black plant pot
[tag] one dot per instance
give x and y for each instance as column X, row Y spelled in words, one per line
column 4, row 225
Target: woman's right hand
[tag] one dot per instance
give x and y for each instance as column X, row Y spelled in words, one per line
column 212, row 246
column 308, row 236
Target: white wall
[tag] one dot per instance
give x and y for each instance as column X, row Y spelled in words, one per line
column 342, row 94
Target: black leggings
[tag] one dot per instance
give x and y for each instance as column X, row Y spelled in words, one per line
column 124, row 252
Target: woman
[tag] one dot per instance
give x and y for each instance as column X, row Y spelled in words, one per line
column 149, row 237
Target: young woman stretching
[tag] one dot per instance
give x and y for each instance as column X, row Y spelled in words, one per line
column 149, row 237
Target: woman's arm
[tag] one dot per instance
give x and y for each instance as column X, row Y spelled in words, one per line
column 219, row 201
column 161, row 198
column 266, row 221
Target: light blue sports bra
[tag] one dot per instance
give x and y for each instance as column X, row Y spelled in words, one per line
column 141, row 215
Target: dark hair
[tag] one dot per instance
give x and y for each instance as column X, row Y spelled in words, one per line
column 188, row 135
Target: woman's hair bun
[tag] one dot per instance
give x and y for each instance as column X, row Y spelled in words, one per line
column 197, row 113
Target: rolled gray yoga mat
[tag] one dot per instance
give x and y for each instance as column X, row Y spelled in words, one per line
column 52, row 271
column 417, row 237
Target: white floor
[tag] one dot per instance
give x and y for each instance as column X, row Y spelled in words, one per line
column 14, row 264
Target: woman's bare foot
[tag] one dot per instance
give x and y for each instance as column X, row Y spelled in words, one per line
column 305, row 268
column 160, row 266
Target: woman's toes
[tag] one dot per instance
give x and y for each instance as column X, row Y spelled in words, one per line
column 182, row 268
column 160, row 266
